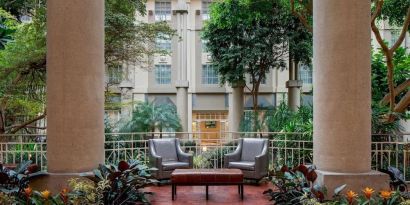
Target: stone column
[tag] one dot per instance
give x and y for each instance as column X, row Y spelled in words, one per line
column 75, row 88
column 342, row 129
column 235, row 108
column 182, row 83
column 293, row 85
column 126, row 99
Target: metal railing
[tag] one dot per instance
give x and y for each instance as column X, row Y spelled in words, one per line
column 208, row 148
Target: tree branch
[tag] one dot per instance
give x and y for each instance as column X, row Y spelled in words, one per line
column 376, row 30
column 403, row 104
column 301, row 18
column 400, row 88
column 16, row 128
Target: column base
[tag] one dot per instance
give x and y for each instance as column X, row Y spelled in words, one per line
column 55, row 182
column 354, row 181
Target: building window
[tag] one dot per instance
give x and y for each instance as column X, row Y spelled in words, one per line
column 163, row 74
column 204, row 47
column 163, row 42
column 305, row 74
column 162, row 10
column 205, row 9
column 209, row 74
column 115, row 74
column 394, row 37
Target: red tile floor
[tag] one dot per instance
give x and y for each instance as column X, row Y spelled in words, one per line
column 224, row 195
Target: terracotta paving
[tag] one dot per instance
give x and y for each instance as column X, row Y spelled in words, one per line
column 192, row 195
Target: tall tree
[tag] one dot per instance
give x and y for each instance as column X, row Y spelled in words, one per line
column 23, row 60
column 129, row 41
column 22, row 76
column 247, row 38
column 396, row 13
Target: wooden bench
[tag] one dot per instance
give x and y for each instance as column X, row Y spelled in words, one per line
column 206, row 177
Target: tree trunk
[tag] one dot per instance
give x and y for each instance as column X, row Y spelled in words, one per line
column 390, row 72
column 2, row 122
column 255, row 94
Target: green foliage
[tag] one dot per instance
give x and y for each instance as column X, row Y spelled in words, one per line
column 19, row 8
column 147, row 117
column 13, row 182
column 401, row 60
column 22, row 73
column 247, row 38
column 299, row 38
column 123, row 184
column 295, row 187
column 114, row 185
column 128, row 40
column 394, row 11
column 212, row 158
column 282, row 119
column 380, row 124
column 23, row 60
column 7, row 28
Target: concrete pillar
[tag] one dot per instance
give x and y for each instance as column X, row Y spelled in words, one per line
column 342, row 129
column 235, row 108
column 126, row 100
column 182, row 83
column 75, row 88
column 294, row 85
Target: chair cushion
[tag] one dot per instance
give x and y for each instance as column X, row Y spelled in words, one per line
column 246, row 165
column 251, row 148
column 166, row 148
column 171, row 165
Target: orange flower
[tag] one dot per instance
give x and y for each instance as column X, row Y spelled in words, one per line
column 64, row 192
column 28, row 191
column 368, row 192
column 385, row 194
column 351, row 195
column 64, row 195
column 45, row 194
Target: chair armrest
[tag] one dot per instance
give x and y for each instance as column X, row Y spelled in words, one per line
column 154, row 159
column 262, row 161
column 184, row 157
column 234, row 156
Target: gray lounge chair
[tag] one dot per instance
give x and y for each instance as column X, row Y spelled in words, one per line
column 166, row 155
column 251, row 156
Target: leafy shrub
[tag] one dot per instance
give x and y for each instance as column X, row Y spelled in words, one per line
column 122, row 184
column 13, row 182
column 295, row 187
column 112, row 185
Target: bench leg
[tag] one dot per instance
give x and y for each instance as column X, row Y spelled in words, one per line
column 206, row 188
column 241, row 191
column 172, row 187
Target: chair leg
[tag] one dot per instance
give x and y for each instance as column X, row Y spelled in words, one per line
column 239, row 189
